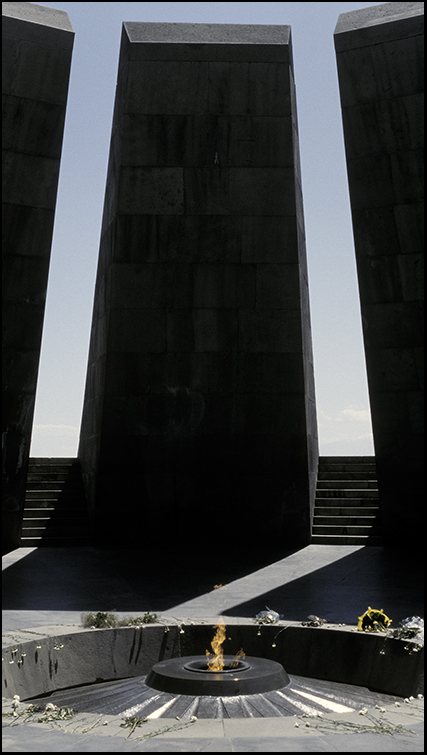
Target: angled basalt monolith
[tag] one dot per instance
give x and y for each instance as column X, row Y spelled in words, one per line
column 380, row 66
column 199, row 421
column 37, row 48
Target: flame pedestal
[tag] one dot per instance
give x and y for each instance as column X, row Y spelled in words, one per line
column 190, row 676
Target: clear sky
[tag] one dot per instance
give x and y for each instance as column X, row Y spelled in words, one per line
column 339, row 364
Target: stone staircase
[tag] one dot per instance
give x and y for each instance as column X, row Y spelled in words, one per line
column 346, row 509
column 55, row 512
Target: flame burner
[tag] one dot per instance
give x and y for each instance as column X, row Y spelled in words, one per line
column 191, row 676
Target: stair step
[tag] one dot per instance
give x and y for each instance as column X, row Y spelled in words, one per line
column 346, row 540
column 346, row 493
column 347, row 484
column 60, row 501
column 346, row 506
column 349, row 503
column 346, row 510
column 73, row 528
column 43, row 512
column 343, row 474
column 346, row 467
column 57, row 460
column 55, row 511
column 344, row 521
column 339, row 529
column 52, row 468
column 56, row 503
column 53, row 492
column 45, row 495
column 346, row 460
column 37, row 479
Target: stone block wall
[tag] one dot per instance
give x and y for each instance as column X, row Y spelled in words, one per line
column 380, row 66
column 37, row 47
column 199, row 418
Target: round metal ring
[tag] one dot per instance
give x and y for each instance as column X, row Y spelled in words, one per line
column 201, row 667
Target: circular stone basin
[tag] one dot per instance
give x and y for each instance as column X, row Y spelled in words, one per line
column 190, row 676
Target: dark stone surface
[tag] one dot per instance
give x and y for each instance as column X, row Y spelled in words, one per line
column 135, row 696
column 37, row 46
column 199, row 405
column 380, row 67
column 330, row 654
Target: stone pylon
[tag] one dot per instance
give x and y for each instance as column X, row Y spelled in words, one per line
column 37, row 48
column 381, row 77
column 199, row 418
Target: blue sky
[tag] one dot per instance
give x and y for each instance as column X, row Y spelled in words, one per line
column 340, row 374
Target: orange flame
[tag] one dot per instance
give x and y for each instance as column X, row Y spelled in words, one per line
column 217, row 662
column 240, row 655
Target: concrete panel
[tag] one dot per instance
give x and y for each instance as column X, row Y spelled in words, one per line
column 200, row 387
column 37, row 46
column 380, row 67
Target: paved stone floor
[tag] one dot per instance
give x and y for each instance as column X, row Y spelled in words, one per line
column 49, row 588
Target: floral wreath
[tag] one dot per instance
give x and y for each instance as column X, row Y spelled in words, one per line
column 373, row 620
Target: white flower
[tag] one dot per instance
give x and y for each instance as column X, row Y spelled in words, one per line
column 363, row 711
column 50, row 706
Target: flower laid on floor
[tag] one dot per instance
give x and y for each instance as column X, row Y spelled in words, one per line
column 267, row 617
column 411, row 627
column 313, row 621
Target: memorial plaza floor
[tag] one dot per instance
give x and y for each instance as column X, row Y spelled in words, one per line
column 45, row 590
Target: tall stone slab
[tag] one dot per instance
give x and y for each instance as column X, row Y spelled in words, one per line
column 37, row 47
column 199, row 424
column 380, row 66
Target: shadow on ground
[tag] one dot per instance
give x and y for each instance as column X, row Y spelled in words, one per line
column 342, row 590
column 92, row 578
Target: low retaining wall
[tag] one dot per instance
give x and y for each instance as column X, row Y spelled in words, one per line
column 381, row 663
